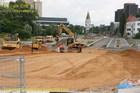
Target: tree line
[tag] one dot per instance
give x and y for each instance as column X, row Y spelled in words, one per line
column 18, row 17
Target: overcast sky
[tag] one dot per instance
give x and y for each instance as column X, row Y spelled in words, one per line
column 101, row 11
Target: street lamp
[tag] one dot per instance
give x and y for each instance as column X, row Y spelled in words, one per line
column 132, row 30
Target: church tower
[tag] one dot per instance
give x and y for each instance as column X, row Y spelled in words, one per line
column 88, row 22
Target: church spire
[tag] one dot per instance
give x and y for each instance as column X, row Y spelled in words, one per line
column 88, row 22
column 88, row 16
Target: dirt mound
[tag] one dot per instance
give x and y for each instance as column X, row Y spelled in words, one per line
column 22, row 50
column 130, row 53
column 109, row 69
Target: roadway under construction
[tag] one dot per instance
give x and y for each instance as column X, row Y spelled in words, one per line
column 93, row 68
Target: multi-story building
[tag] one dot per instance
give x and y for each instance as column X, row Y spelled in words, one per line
column 129, row 9
column 38, row 6
column 132, row 27
column 46, row 21
column 1, row 2
column 114, row 27
column 35, row 5
column 118, row 15
column 139, row 10
column 29, row 1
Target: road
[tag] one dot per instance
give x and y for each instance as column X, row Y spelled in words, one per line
column 102, row 43
column 118, row 43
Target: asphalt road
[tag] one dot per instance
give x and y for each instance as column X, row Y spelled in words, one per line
column 102, row 43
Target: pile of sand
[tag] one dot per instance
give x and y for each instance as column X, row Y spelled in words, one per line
column 84, row 71
column 109, row 69
column 24, row 49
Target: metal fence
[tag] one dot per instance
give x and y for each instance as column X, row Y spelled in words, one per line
column 12, row 74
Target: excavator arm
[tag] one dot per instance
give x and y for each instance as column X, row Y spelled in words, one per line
column 67, row 30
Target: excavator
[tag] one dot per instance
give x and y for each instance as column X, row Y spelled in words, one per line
column 11, row 41
column 71, row 40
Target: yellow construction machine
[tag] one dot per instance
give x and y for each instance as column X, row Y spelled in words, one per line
column 71, row 40
column 11, row 41
column 36, row 43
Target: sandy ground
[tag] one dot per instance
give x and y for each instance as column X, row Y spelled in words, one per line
column 79, row 71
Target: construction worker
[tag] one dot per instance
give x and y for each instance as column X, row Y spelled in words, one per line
column 57, row 38
column 61, row 48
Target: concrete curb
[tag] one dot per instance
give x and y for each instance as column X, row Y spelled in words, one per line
column 94, row 42
column 127, row 43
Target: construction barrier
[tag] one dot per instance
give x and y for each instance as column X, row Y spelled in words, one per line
column 12, row 74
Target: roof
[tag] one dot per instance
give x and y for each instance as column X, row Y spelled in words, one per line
column 131, row 18
column 52, row 19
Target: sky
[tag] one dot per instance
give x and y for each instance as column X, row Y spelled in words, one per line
column 101, row 11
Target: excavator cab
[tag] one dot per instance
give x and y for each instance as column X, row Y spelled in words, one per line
column 70, row 41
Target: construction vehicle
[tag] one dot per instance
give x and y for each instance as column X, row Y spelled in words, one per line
column 36, row 45
column 71, row 40
column 49, row 38
column 40, row 39
column 11, row 41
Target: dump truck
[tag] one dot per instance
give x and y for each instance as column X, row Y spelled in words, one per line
column 11, row 41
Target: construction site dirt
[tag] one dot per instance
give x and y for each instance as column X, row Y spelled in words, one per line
column 77, row 71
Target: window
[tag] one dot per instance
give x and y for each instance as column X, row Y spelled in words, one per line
column 138, row 29
column 128, row 29
column 138, row 24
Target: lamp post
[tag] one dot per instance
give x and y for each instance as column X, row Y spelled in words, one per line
column 132, row 30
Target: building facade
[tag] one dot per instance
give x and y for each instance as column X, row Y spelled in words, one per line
column 88, row 23
column 114, row 27
column 118, row 15
column 29, row 1
column 129, row 9
column 1, row 2
column 38, row 6
column 132, row 27
column 35, row 5
column 46, row 21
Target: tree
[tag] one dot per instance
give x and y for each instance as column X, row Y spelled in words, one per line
column 28, row 28
column 17, row 16
column 102, row 29
column 95, row 29
column 122, row 24
column 137, row 36
column 138, row 15
column 23, row 34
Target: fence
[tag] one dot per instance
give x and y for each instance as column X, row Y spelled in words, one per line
column 12, row 74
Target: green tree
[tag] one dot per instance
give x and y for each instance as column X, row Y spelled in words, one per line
column 138, row 15
column 122, row 24
column 16, row 16
column 23, row 34
column 28, row 28
column 137, row 36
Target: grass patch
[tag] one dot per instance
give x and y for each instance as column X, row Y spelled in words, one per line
column 88, row 42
